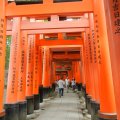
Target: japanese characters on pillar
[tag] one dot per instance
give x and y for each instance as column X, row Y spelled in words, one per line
column 82, row 65
column 113, row 24
column 90, row 48
column 22, row 70
column 45, row 79
column 89, row 62
column 2, row 50
column 36, row 73
column 86, row 63
column 107, row 104
column 116, row 13
column 12, row 87
column 98, row 58
column 40, row 67
column 94, row 62
column 29, row 72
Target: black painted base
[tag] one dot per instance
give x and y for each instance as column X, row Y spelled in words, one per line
column 103, row 116
column 53, row 87
column 88, row 103
column 12, row 111
column 41, row 93
column 46, row 92
column 36, row 102
column 2, row 115
column 79, row 86
column 94, row 109
column 2, row 118
column 23, row 110
column 84, row 90
column 30, row 105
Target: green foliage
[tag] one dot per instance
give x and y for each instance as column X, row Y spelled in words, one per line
column 8, row 43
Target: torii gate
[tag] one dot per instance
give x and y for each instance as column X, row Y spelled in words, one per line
column 100, row 43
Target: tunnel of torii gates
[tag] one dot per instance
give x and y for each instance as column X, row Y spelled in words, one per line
column 92, row 53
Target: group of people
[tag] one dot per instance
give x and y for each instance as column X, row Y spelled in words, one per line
column 61, row 83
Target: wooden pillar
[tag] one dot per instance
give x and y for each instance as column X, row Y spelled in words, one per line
column 89, row 80
column 46, row 80
column 70, row 74
column 78, row 75
column 50, row 68
column 21, row 97
column 96, row 101
column 89, row 64
column 2, row 54
column 36, row 75
column 54, row 71
column 29, row 76
column 112, row 14
column 107, row 99
column 86, row 64
column 73, row 69
column 40, row 69
column 83, row 66
column 12, row 88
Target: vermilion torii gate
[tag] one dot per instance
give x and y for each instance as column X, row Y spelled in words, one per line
column 100, row 53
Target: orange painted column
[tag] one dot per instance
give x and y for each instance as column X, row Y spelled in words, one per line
column 113, row 26
column 85, row 60
column 46, row 78
column 40, row 69
column 79, row 80
column 83, row 67
column 21, row 97
column 40, row 61
column 29, row 75
column 36, row 75
column 86, row 64
column 22, row 74
column 50, row 68
column 70, row 74
column 53, row 75
column 2, row 54
column 107, row 98
column 95, row 102
column 89, row 64
column 88, row 71
column 12, row 85
column 82, row 55
column 54, row 71
column 73, row 69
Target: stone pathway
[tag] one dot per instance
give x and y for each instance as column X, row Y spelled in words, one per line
column 64, row 108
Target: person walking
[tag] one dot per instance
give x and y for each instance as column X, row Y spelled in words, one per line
column 67, row 83
column 73, row 84
column 61, row 84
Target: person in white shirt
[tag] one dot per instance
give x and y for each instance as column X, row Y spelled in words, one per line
column 61, row 84
column 67, row 83
column 73, row 84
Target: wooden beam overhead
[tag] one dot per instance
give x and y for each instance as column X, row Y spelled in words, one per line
column 48, row 8
column 68, row 30
column 82, row 23
column 59, row 42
